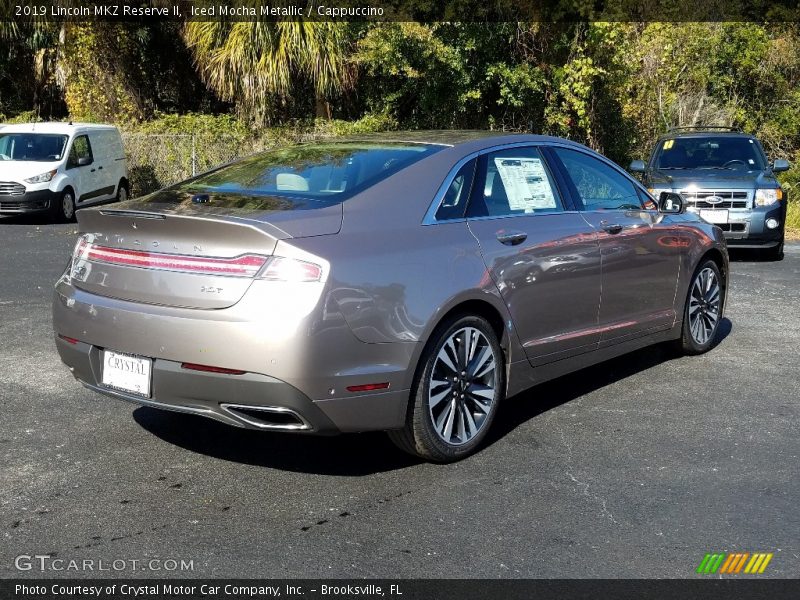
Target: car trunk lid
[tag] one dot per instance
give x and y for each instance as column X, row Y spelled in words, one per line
column 198, row 256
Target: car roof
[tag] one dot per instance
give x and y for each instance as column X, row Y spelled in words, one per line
column 476, row 139
column 56, row 127
column 706, row 133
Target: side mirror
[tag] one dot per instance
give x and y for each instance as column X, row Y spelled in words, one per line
column 84, row 161
column 637, row 166
column 670, row 203
column 780, row 164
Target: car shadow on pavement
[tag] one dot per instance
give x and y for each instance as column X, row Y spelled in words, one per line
column 339, row 455
column 367, row 453
column 541, row 398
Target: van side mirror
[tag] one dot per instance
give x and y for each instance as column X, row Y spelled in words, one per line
column 84, row 161
column 637, row 166
column 780, row 164
column 670, row 203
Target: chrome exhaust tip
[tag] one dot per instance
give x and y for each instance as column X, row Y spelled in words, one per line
column 267, row 417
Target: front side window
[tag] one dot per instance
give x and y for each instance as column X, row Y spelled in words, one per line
column 515, row 182
column 81, row 148
column 709, row 152
column 599, row 186
column 37, row 147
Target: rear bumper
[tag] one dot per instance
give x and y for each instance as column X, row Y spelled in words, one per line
column 210, row 395
column 27, row 203
column 305, row 374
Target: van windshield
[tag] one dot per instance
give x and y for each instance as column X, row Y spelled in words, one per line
column 37, row 147
column 710, row 152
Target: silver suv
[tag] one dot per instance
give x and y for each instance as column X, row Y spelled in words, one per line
column 725, row 177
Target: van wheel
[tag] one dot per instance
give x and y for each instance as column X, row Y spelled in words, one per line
column 122, row 192
column 63, row 209
column 454, row 398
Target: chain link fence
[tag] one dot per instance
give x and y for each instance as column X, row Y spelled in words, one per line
column 159, row 160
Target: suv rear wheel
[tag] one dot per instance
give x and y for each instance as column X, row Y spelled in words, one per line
column 454, row 398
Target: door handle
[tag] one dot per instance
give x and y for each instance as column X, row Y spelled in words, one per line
column 93, row 170
column 612, row 228
column 99, row 168
column 511, row 238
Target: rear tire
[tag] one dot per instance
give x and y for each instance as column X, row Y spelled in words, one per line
column 122, row 192
column 459, row 383
column 703, row 311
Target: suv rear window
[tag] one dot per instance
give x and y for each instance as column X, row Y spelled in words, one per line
column 709, row 152
column 326, row 172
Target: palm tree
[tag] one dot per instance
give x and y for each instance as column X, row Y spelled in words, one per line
column 255, row 63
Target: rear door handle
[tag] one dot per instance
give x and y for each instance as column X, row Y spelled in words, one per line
column 612, row 228
column 93, row 170
column 511, row 238
column 99, row 168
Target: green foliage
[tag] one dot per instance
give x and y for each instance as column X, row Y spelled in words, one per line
column 613, row 85
column 257, row 65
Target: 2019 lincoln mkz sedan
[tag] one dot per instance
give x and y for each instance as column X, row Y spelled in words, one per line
column 406, row 282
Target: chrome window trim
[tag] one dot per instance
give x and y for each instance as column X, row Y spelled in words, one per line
column 430, row 215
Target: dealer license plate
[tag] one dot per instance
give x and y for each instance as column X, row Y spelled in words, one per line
column 127, row 373
column 714, row 216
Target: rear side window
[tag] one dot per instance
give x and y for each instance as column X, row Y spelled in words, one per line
column 513, row 182
column 454, row 202
column 328, row 173
column 598, row 186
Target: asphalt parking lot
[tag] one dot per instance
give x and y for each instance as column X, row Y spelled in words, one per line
column 634, row 468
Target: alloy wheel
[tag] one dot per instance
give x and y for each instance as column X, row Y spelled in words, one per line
column 67, row 206
column 462, row 386
column 704, row 306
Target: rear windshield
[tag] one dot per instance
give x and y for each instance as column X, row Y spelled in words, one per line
column 307, row 175
column 38, row 147
column 712, row 152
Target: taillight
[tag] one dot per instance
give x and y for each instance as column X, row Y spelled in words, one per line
column 291, row 270
column 246, row 265
column 210, row 369
column 368, row 387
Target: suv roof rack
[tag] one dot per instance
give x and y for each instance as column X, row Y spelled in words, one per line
column 705, row 128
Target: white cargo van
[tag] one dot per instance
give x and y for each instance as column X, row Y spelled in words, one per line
column 58, row 167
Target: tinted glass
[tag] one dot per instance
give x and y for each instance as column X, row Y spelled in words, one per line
column 712, row 152
column 515, row 182
column 328, row 173
column 456, row 197
column 599, row 186
column 32, row 146
column 81, row 148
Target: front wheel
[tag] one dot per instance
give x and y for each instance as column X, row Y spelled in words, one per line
column 703, row 311
column 460, row 382
column 63, row 207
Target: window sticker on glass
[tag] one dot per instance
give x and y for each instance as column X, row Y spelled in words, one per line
column 668, row 144
column 526, row 183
